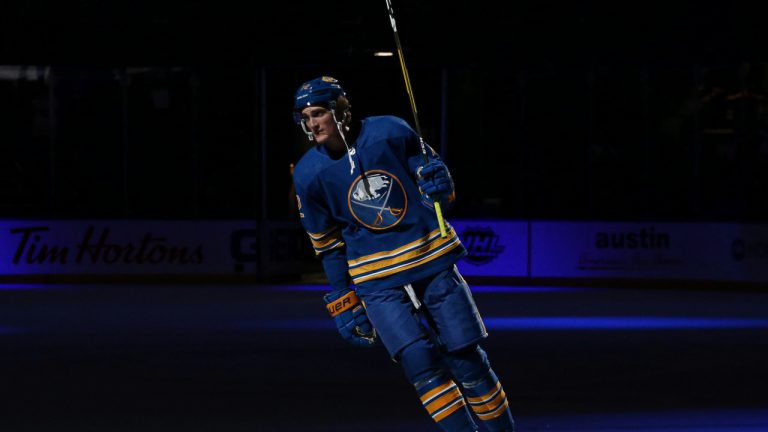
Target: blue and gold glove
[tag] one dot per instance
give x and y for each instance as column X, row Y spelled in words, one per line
column 435, row 181
column 349, row 314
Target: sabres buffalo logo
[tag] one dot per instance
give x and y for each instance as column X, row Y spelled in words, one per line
column 377, row 200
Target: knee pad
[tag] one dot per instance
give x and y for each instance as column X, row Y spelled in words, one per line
column 468, row 364
column 420, row 361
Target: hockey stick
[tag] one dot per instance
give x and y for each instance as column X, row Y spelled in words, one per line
column 438, row 210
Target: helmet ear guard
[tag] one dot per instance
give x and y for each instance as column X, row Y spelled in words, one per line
column 306, row 130
column 343, row 123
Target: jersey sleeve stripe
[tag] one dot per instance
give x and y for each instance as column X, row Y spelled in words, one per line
column 331, row 246
column 323, row 234
column 323, row 243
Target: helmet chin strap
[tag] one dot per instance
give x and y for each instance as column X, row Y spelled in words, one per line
column 340, row 126
column 350, row 151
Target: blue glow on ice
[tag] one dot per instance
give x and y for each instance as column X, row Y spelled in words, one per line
column 14, row 287
column 9, row 330
column 622, row 323
column 553, row 323
column 473, row 288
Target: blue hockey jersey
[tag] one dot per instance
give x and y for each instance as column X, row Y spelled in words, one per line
column 380, row 224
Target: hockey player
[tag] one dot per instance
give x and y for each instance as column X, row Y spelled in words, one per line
column 365, row 198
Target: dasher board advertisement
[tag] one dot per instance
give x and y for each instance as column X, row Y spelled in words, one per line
column 495, row 248
column 29, row 247
column 694, row 251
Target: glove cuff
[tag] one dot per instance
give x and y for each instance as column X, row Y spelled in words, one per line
column 343, row 303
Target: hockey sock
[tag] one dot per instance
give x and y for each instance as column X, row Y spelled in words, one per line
column 439, row 394
column 482, row 388
column 489, row 402
column 444, row 402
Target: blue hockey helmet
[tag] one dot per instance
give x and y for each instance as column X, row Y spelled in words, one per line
column 324, row 90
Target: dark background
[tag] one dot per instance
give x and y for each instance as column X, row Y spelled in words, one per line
column 543, row 110
column 586, row 110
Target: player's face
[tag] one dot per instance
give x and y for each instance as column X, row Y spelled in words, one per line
column 320, row 122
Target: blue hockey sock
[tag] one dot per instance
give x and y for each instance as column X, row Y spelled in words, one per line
column 489, row 402
column 482, row 388
column 444, row 402
column 439, row 394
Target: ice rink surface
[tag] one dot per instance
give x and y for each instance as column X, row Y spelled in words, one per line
column 226, row 358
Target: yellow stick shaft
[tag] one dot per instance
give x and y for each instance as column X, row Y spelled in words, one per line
column 409, row 90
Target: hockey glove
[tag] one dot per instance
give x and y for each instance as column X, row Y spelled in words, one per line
column 349, row 314
column 434, row 180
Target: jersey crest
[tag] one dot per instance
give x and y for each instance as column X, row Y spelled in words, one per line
column 379, row 201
